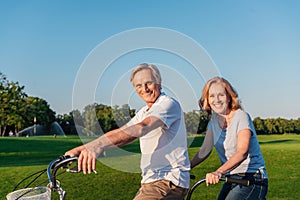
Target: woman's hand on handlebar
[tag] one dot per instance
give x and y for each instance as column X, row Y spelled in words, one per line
column 213, row 177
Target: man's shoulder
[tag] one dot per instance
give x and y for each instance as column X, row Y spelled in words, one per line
column 165, row 98
column 169, row 102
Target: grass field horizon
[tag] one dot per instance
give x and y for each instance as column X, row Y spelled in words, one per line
column 20, row 157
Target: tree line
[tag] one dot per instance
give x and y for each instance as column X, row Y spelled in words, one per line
column 19, row 111
column 276, row 125
column 99, row 118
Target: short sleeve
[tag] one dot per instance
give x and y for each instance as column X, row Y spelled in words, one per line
column 167, row 110
column 245, row 122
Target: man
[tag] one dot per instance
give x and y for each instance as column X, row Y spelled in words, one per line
column 160, row 127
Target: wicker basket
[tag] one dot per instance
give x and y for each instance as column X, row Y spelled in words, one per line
column 37, row 193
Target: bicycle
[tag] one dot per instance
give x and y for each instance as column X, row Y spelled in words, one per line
column 226, row 179
column 44, row 192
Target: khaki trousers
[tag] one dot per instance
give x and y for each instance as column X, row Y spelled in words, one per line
column 161, row 189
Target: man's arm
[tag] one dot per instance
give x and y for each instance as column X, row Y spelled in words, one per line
column 89, row 152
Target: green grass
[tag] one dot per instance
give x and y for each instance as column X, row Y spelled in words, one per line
column 20, row 157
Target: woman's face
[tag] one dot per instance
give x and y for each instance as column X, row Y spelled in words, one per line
column 218, row 99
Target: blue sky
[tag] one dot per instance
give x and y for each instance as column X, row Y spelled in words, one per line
column 254, row 44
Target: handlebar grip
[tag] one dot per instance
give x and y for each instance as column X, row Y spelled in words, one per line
column 237, row 181
column 64, row 157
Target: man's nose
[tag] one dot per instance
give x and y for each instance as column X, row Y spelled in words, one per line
column 145, row 87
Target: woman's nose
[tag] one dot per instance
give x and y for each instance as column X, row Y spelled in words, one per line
column 216, row 99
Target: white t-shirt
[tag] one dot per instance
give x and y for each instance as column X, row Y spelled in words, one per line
column 225, row 142
column 164, row 150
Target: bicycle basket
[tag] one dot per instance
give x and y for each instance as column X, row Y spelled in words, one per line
column 37, row 193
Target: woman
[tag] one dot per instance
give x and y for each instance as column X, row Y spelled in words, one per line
column 231, row 131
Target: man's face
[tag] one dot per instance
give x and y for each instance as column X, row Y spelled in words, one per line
column 146, row 87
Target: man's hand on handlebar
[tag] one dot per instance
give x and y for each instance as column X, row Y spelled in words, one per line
column 87, row 158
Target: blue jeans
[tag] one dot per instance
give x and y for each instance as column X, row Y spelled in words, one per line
column 257, row 190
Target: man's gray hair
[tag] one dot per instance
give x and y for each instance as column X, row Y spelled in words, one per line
column 154, row 72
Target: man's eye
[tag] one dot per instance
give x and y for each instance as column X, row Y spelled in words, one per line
column 149, row 83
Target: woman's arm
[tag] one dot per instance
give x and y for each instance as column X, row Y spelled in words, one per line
column 243, row 142
column 204, row 151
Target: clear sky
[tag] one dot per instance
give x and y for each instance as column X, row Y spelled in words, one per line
column 254, row 44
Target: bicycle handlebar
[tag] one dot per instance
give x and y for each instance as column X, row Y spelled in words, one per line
column 52, row 168
column 62, row 161
column 237, row 181
column 226, row 179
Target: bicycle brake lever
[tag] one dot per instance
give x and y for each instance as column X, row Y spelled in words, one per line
column 75, row 170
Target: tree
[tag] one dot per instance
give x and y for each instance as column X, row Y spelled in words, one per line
column 12, row 98
column 122, row 115
column 76, row 118
column 90, row 121
column 17, row 110
column 69, row 122
column 38, row 108
column 196, row 121
column 106, row 118
column 259, row 125
column 297, row 125
column 2, row 98
column 204, row 119
column 191, row 121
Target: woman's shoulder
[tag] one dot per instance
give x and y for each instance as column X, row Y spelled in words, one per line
column 239, row 113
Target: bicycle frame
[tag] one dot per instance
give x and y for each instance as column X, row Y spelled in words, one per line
column 228, row 180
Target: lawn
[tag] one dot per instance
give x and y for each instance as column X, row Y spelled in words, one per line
column 118, row 176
